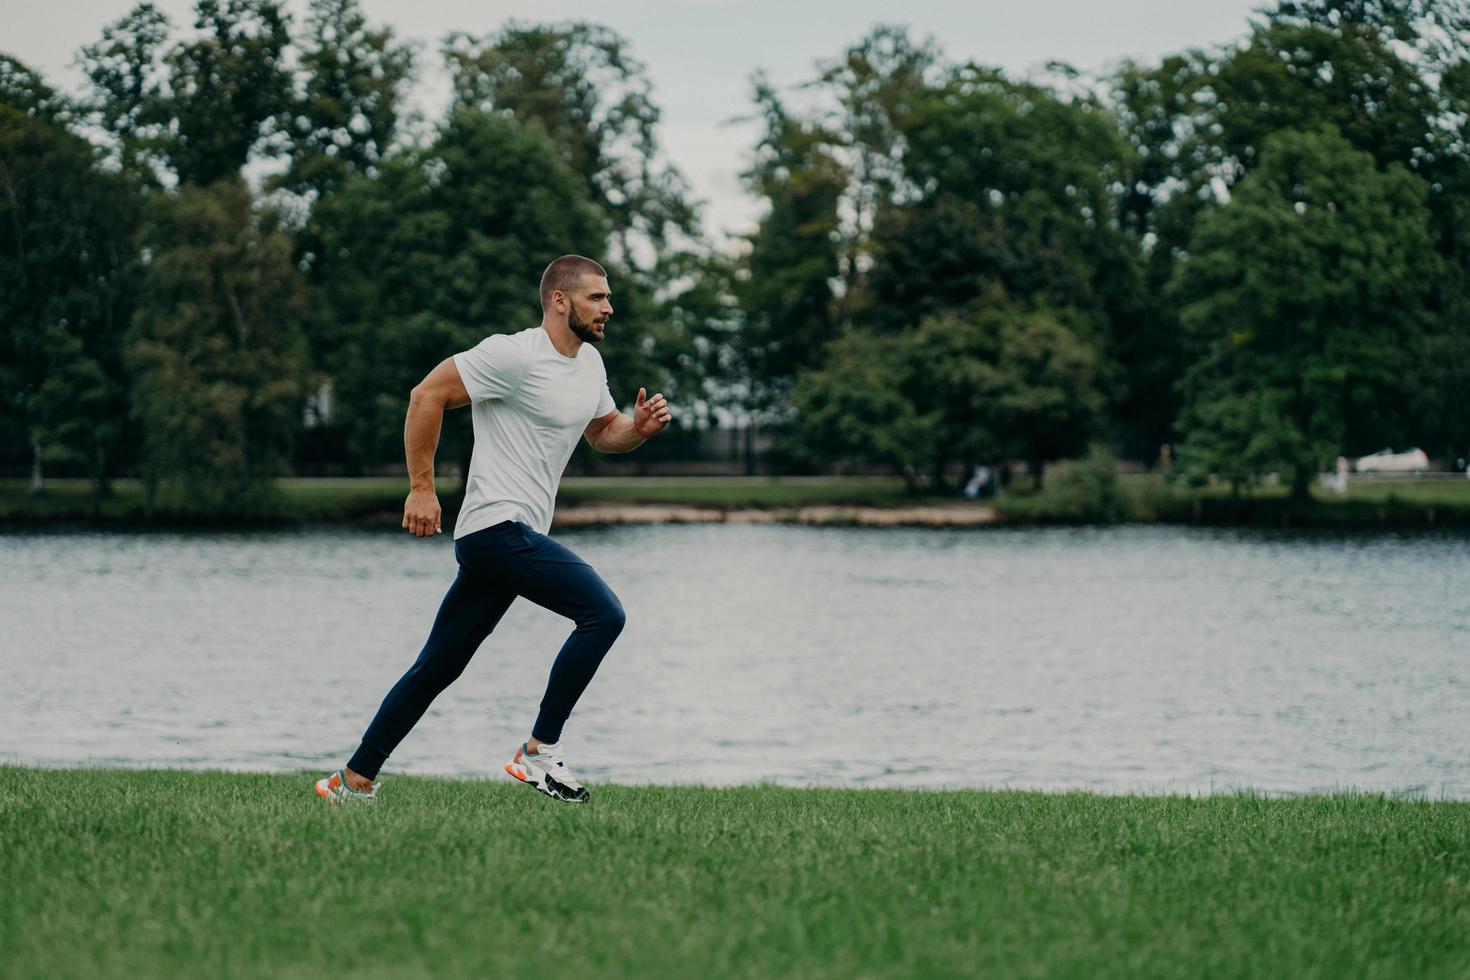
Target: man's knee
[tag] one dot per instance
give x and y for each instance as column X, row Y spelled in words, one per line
column 608, row 615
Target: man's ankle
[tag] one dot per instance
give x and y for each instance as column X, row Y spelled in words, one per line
column 356, row 783
column 533, row 745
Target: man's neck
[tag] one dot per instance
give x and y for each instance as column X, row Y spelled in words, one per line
column 567, row 344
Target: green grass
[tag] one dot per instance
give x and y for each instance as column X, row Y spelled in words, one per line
column 730, row 492
column 1431, row 492
column 1367, row 503
column 1148, row 497
column 297, row 500
column 167, row 873
column 356, row 499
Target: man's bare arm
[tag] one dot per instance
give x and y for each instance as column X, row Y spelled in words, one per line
column 441, row 388
column 617, row 433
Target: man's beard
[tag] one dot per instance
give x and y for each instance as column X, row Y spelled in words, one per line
column 582, row 328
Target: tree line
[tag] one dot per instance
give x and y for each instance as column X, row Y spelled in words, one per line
column 238, row 248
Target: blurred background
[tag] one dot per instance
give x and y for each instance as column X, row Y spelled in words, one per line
column 1091, row 263
column 238, row 232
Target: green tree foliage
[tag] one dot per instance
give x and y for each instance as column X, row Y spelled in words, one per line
column 1298, row 72
column 579, row 83
column 989, row 382
column 879, row 88
column 199, row 107
column 1086, row 490
column 1014, row 186
column 1036, row 385
column 444, row 246
column 66, row 276
column 129, row 101
column 1203, row 117
column 1308, row 293
column 784, row 284
column 824, row 176
column 856, row 408
column 1440, row 418
column 702, row 309
column 972, row 218
column 25, row 91
column 346, row 113
column 229, row 87
column 217, row 352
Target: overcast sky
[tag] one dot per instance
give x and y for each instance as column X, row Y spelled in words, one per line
column 700, row 53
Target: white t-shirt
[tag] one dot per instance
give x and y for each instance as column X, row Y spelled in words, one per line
column 530, row 405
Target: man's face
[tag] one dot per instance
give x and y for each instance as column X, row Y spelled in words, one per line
column 590, row 304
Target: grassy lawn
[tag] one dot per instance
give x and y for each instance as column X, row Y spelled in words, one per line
column 1423, row 492
column 759, row 491
column 1436, row 493
column 298, row 499
column 1367, row 502
column 168, row 873
column 348, row 499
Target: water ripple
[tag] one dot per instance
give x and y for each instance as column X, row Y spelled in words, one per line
column 1115, row 660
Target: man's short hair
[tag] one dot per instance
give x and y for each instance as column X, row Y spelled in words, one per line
column 564, row 274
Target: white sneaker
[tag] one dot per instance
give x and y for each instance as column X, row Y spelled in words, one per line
column 547, row 772
column 335, row 791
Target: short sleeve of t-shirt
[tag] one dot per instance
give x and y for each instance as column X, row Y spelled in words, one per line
column 493, row 368
column 605, row 404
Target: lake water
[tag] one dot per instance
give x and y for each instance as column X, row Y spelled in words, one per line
column 1154, row 659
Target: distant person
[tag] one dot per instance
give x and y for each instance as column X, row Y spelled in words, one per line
column 979, row 483
column 534, row 393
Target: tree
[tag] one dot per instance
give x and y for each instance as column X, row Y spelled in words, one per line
column 784, row 285
column 1438, row 409
column 445, row 245
column 580, row 84
column 201, row 107
column 229, row 87
column 25, row 91
column 1351, row 64
column 1007, row 381
column 992, row 381
column 1014, row 186
column 67, row 266
column 1373, row 69
column 217, row 352
column 1014, row 209
column 345, row 116
column 856, row 407
column 1308, row 293
column 129, row 99
column 880, row 87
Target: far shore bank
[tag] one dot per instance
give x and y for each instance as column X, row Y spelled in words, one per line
column 813, row 501
column 607, row 514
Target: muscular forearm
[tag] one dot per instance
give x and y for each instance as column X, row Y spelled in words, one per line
column 421, row 438
column 618, row 436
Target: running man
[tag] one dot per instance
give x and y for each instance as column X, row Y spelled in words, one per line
column 533, row 394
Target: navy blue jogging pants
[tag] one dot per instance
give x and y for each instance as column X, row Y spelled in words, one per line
column 496, row 565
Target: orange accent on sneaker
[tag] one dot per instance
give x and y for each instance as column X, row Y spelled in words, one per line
column 325, row 788
column 515, row 770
